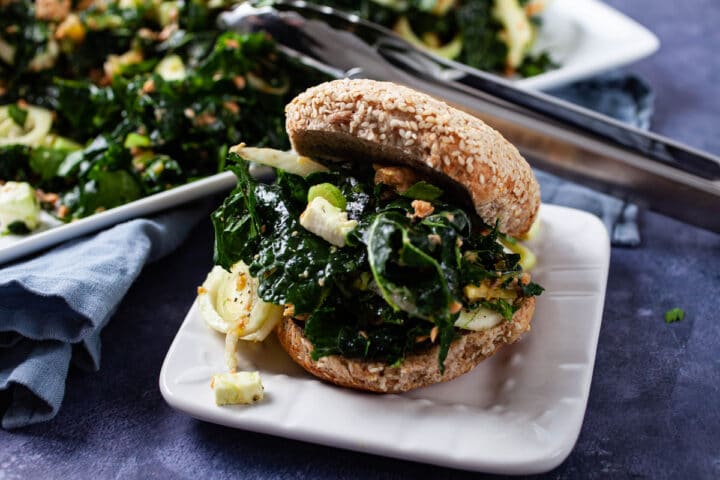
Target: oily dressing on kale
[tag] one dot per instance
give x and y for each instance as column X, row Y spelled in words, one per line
column 398, row 284
column 139, row 97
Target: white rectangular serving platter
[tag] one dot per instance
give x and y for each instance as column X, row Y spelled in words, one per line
column 52, row 231
column 519, row 412
column 587, row 37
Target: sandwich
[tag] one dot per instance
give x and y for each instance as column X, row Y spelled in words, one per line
column 385, row 253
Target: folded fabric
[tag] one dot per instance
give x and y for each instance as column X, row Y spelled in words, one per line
column 54, row 306
column 625, row 97
column 64, row 298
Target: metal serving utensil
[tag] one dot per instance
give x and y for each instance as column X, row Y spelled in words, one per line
column 559, row 137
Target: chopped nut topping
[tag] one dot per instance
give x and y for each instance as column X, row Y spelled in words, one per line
column 148, row 86
column 455, row 307
column 422, row 208
column 239, row 82
column 232, row 106
column 400, row 178
column 52, row 10
column 205, row 119
column 166, row 32
column 72, row 29
column 241, row 282
column 63, row 211
column 48, row 197
column 435, row 239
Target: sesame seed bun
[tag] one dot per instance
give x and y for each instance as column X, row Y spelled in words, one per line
column 380, row 122
column 418, row 369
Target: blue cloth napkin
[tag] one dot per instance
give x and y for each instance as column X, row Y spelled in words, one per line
column 54, row 306
column 625, row 97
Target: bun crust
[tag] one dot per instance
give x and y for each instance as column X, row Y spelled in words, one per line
column 366, row 120
column 418, row 370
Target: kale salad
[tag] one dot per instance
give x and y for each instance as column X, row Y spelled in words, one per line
column 491, row 35
column 375, row 262
column 105, row 102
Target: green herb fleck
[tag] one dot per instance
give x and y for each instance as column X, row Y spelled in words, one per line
column 674, row 315
column 18, row 228
column 423, row 191
column 18, row 114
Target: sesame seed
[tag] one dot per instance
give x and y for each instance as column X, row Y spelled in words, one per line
column 447, row 139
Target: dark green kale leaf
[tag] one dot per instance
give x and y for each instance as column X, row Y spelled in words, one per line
column 482, row 47
column 14, row 162
column 484, row 258
column 350, row 326
column 18, row 227
column 44, row 163
column 532, row 289
column 18, row 114
column 415, row 266
column 236, row 222
column 423, row 191
column 87, row 108
column 535, row 65
column 507, row 310
column 104, row 189
column 259, row 224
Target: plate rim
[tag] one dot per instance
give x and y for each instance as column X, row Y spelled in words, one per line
column 644, row 44
column 527, row 465
column 176, row 196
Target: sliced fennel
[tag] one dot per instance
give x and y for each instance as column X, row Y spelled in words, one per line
column 288, row 161
column 18, row 204
column 327, row 221
column 517, row 32
column 450, row 50
column 478, row 319
column 237, row 388
column 171, row 68
column 229, row 303
column 528, row 260
column 33, row 133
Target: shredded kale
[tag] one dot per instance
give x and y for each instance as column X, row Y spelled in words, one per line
column 397, row 280
column 480, row 31
column 532, row 289
column 18, row 228
column 104, row 87
column 507, row 310
column 423, row 191
column 18, row 114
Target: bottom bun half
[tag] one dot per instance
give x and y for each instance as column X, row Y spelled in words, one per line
column 418, row 369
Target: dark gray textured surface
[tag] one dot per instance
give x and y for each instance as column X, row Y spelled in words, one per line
column 654, row 408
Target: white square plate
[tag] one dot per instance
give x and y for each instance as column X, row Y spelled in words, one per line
column 587, row 37
column 519, row 412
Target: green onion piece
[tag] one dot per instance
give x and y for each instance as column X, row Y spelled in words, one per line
column 329, row 192
column 136, row 140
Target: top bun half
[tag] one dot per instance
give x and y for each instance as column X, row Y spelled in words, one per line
column 381, row 122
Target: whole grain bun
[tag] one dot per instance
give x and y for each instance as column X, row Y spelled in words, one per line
column 418, row 370
column 381, row 122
